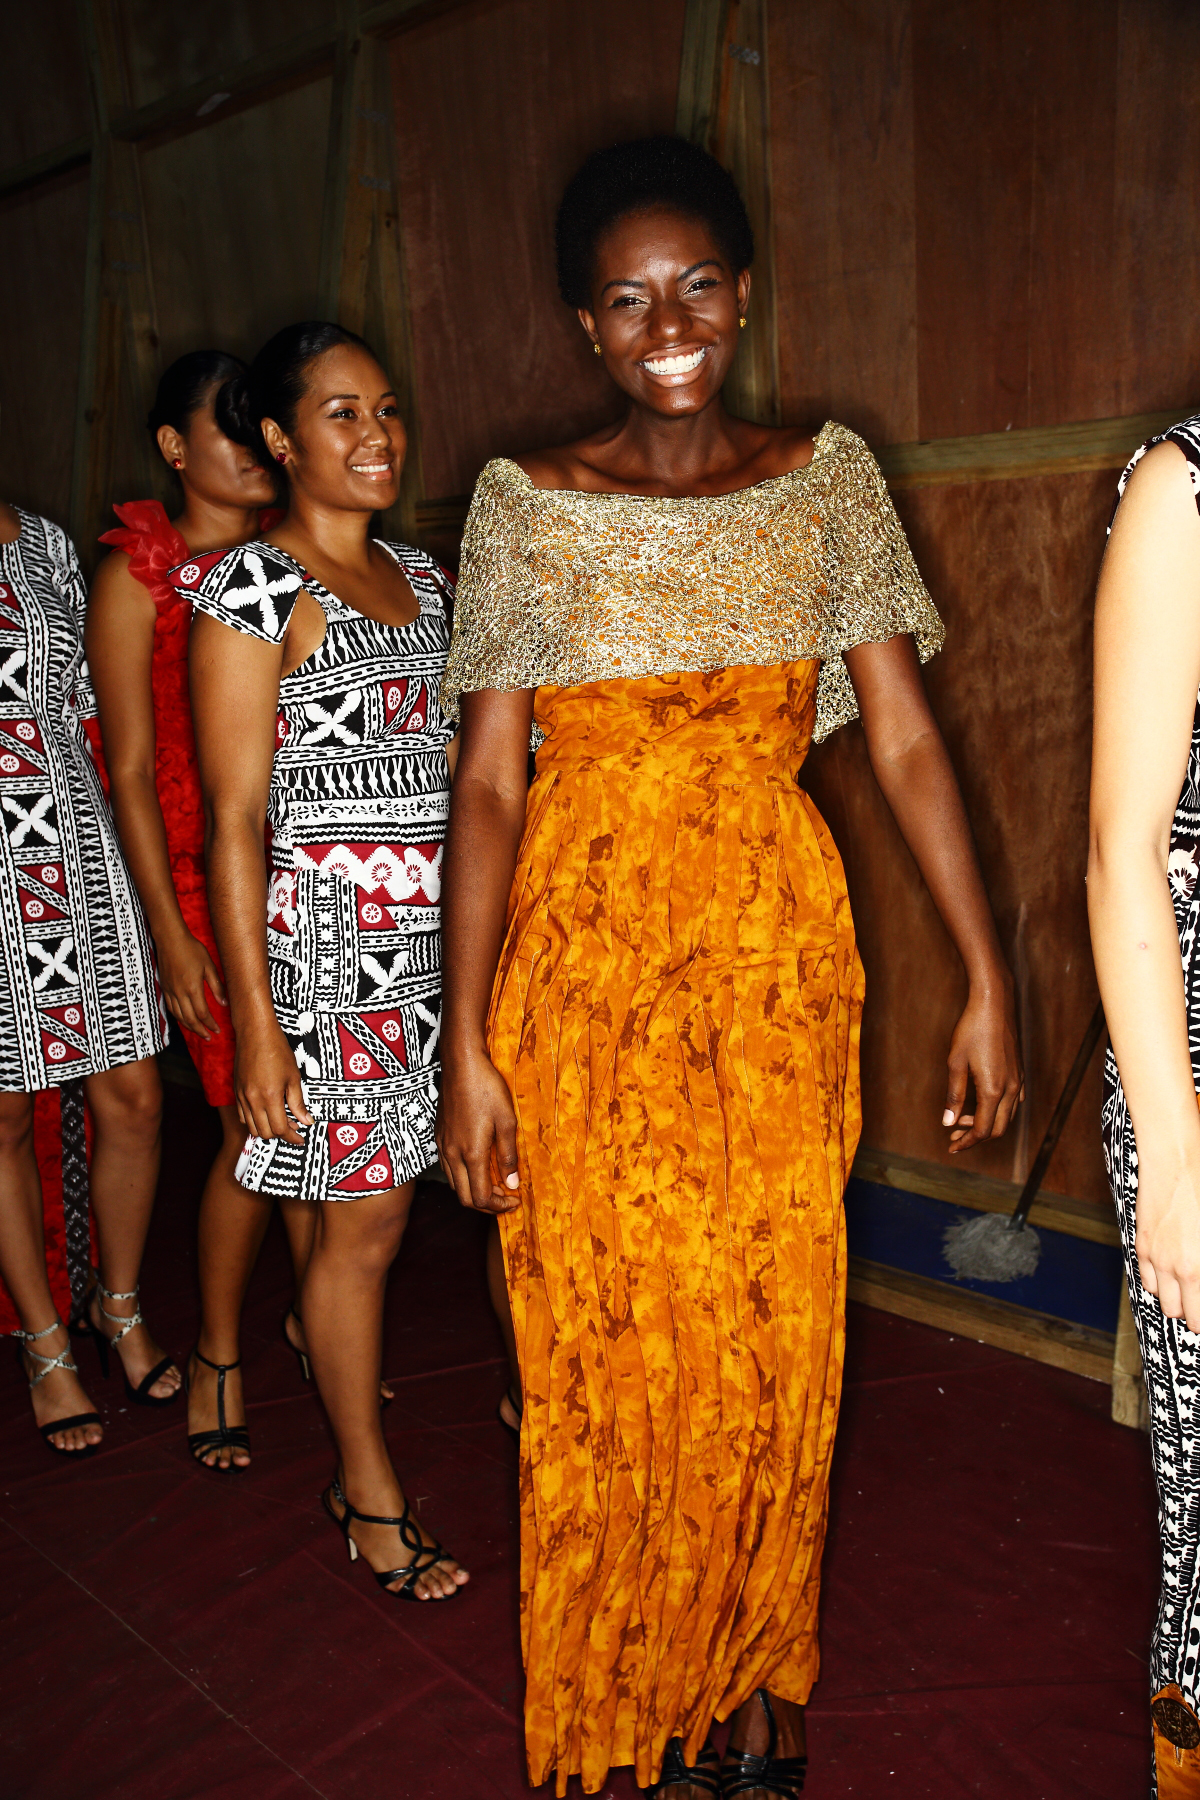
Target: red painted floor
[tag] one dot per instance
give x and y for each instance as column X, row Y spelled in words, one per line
column 170, row 1633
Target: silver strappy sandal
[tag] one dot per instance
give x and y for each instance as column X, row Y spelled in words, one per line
column 64, row 1360
column 139, row 1395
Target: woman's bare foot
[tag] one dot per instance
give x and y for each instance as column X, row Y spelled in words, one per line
column 137, row 1349
column 382, row 1547
column 203, row 1414
column 293, row 1331
column 60, row 1394
column 751, row 1730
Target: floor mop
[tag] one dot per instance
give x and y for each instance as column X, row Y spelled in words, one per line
column 993, row 1248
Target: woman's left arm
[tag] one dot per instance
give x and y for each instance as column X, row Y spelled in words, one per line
column 914, row 771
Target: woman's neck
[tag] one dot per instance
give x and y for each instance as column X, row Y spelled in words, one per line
column 677, row 454
column 326, row 535
column 207, row 525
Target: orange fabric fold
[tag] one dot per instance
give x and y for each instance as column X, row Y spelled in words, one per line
column 677, row 1011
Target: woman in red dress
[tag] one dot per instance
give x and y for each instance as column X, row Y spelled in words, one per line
column 137, row 642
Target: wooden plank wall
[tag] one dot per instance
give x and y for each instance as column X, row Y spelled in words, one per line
column 982, row 221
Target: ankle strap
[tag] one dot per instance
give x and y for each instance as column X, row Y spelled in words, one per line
column 219, row 1367
column 109, row 1295
column 31, row 1337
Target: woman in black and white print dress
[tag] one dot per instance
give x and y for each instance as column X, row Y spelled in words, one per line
column 315, row 662
column 78, row 997
column 1144, row 901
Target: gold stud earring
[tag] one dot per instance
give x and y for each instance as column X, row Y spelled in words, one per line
column 597, row 349
column 742, row 322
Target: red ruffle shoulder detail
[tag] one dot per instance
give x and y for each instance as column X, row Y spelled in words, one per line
column 152, row 544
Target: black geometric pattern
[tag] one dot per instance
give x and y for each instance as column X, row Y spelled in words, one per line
column 1170, row 1352
column 75, row 1188
column 77, row 987
column 357, row 817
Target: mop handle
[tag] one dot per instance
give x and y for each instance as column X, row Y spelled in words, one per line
column 1058, row 1118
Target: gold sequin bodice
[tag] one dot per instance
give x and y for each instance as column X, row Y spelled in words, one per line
column 562, row 587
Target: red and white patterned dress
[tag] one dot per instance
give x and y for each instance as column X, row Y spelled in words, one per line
column 356, row 821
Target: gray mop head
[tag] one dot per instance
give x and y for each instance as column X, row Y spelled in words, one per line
column 985, row 1249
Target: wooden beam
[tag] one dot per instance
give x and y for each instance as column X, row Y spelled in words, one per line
column 984, row 1193
column 311, row 53
column 389, row 16
column 46, row 167
column 119, row 352
column 363, row 278
column 705, row 23
column 1130, row 1401
column 1009, row 455
column 1079, row 1348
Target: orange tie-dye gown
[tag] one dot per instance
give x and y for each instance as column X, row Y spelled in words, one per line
column 677, row 1012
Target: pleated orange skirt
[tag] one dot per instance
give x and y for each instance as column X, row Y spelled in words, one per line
column 677, row 1011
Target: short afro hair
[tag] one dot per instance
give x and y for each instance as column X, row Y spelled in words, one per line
column 650, row 172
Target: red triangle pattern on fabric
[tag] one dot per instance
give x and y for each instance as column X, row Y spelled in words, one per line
column 390, row 1028
column 358, row 1064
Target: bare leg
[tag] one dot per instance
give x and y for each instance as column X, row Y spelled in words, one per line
column 126, row 1107
column 300, row 1219
column 498, row 1289
column 23, row 1266
column 233, row 1223
column 356, row 1243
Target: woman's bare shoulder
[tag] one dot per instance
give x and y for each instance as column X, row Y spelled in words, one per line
column 112, row 586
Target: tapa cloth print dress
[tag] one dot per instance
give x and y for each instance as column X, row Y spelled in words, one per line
column 1170, row 1352
column 78, row 992
column 360, row 791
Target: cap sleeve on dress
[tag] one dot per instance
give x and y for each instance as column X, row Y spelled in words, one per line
column 252, row 588
column 875, row 587
column 499, row 638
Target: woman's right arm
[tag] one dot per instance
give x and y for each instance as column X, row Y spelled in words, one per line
column 1147, row 672
column 235, row 698
column 119, row 642
column 487, row 816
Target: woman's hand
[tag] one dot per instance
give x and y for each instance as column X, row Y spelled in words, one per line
column 476, row 1132
column 984, row 1050
column 185, row 969
column 266, row 1082
column 1168, row 1236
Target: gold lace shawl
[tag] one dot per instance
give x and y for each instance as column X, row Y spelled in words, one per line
column 560, row 587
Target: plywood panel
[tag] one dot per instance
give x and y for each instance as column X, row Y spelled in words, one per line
column 43, row 79
column 234, row 221
column 45, row 244
column 496, row 107
column 171, row 43
column 842, row 173
column 1012, row 567
column 1014, row 104
column 1157, row 263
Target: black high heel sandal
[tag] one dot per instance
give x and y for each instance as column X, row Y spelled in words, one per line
column 704, row 1773
column 742, row 1771
column 424, row 1555
column 226, row 1436
column 64, row 1360
column 81, row 1326
column 302, row 1356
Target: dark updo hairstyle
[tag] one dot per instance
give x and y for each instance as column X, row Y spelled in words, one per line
column 276, row 382
column 650, row 172
column 186, row 385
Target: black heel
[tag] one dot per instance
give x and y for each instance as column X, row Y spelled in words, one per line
column 704, row 1773
column 424, row 1555
column 81, row 1326
column 301, row 1356
column 226, row 1436
column 64, row 1360
column 742, row 1772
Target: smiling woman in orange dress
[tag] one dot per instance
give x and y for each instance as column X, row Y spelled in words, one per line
column 652, row 991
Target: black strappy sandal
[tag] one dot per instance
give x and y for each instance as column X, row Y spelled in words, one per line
column 64, row 1360
column 424, row 1555
column 81, row 1326
column 742, row 1772
column 226, row 1436
column 704, row 1773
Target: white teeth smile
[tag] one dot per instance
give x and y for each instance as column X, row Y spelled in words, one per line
column 674, row 365
column 371, row 468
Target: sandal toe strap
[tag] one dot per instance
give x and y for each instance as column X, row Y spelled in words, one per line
column 780, row 1775
column 233, row 1437
column 156, row 1374
column 704, row 1773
